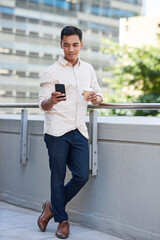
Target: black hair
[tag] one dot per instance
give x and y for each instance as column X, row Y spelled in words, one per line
column 71, row 30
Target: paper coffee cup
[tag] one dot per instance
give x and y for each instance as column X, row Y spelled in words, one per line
column 86, row 91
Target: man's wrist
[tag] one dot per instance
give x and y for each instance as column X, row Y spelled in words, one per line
column 99, row 100
column 51, row 100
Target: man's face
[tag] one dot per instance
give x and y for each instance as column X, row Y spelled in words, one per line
column 71, row 46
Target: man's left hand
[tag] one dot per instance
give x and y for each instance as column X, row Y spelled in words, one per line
column 94, row 98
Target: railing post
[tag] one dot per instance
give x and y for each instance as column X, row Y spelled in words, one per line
column 23, row 136
column 93, row 144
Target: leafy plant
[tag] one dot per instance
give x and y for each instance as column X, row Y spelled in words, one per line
column 135, row 75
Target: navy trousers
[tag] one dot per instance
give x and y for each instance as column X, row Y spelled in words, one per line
column 70, row 150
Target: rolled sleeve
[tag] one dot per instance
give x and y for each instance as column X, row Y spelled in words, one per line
column 47, row 86
column 95, row 85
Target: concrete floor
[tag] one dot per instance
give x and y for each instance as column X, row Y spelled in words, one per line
column 18, row 223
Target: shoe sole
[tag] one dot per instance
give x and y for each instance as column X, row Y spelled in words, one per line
column 61, row 237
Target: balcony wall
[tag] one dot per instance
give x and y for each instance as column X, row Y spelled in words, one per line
column 123, row 199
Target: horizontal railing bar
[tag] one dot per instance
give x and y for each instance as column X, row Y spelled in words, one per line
column 19, row 105
column 141, row 106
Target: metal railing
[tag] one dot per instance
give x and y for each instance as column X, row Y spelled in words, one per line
column 141, row 106
column 93, row 144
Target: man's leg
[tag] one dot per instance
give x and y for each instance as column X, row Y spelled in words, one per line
column 71, row 148
column 78, row 163
column 58, row 149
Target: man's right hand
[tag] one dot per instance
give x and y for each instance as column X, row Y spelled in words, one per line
column 55, row 98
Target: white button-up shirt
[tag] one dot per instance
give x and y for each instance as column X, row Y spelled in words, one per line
column 70, row 114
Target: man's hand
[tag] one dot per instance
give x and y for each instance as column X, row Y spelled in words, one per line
column 55, row 98
column 94, row 98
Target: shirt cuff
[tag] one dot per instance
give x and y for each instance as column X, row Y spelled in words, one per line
column 99, row 94
column 40, row 106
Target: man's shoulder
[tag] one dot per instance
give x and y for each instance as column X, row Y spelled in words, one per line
column 51, row 68
column 49, row 71
column 86, row 64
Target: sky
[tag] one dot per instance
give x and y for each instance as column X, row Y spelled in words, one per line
column 151, row 8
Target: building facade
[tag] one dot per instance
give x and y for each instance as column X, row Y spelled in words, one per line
column 146, row 28
column 29, row 38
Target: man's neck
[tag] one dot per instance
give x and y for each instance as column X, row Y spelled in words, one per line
column 72, row 62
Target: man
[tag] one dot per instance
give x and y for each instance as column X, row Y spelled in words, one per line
column 65, row 132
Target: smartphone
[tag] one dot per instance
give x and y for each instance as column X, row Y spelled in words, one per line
column 60, row 88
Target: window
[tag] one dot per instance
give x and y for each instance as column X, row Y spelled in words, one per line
column 131, row 1
column 33, row 20
column 47, row 23
column 34, row 75
column 20, row 32
column 33, row 95
column 95, row 31
column 6, row 30
column 33, row 4
column 21, row 3
column 116, row 13
column 73, row 6
column 20, row 94
column 8, row 94
column 7, row 16
column 106, row 4
column 5, row 72
column 20, row 53
column 33, row 54
column 7, row 10
column 47, row 55
column 48, row 36
column 96, row 67
column 21, row 74
column 95, row 10
column 95, row 48
column 5, row 50
column 33, row 34
column 57, row 3
column 48, row 2
column 20, row 19
column 36, row 1
column 85, row 7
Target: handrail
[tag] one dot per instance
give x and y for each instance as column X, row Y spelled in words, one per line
column 24, row 135
column 142, row 106
column 19, row 105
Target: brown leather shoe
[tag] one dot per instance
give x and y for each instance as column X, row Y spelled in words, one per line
column 45, row 216
column 63, row 230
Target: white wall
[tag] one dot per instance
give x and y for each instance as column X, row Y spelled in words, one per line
column 123, row 199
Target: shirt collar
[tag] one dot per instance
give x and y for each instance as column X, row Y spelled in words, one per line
column 64, row 62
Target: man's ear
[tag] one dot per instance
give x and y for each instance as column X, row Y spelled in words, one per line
column 61, row 44
column 81, row 44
